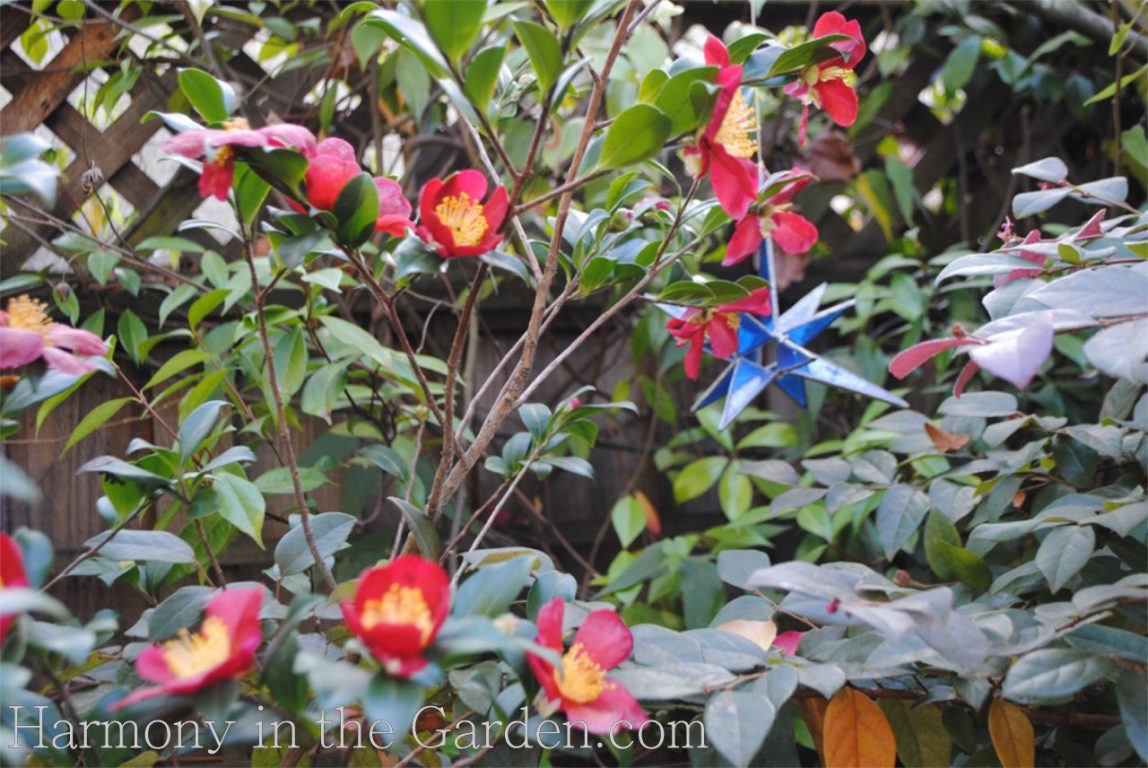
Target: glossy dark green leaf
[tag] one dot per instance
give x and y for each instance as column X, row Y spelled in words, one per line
column 543, row 50
column 454, row 24
column 212, row 99
column 637, row 134
column 356, row 210
column 482, row 75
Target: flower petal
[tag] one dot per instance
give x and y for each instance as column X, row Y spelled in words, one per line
column 614, row 710
column 787, row 642
column 966, row 375
column 291, row 135
column 745, row 241
column 79, row 341
column 470, row 182
column 693, row 362
column 152, row 666
column 793, row 233
column 839, row 100
column 915, row 356
column 716, row 54
column 495, row 209
column 19, row 347
column 66, row 362
column 239, row 609
column 734, row 180
column 723, row 337
column 605, row 638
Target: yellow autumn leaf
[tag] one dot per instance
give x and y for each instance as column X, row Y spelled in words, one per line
column 856, row 734
column 1012, row 735
column 760, row 632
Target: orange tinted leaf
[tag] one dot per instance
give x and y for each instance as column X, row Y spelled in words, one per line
column 1012, row 735
column 813, row 712
column 856, row 733
column 944, row 441
column 653, row 521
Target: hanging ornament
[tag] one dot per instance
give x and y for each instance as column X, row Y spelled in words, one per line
column 747, row 375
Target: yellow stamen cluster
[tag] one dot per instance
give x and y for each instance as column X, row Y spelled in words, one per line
column 223, row 155
column 581, row 680
column 738, row 131
column 236, row 124
column 190, row 654
column 464, row 216
column 400, row 605
column 28, row 314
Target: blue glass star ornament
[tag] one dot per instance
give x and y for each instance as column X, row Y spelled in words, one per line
column 746, row 376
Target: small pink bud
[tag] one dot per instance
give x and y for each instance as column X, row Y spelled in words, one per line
column 575, row 403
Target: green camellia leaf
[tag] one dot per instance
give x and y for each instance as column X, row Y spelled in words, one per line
column 568, row 12
column 959, row 66
column 948, row 559
column 454, row 24
column 543, row 50
column 737, row 723
column 212, row 99
column 356, row 210
column 637, row 134
column 413, row 36
column 394, row 702
column 800, row 56
column 241, row 503
column 282, row 168
column 482, row 75
column 677, row 99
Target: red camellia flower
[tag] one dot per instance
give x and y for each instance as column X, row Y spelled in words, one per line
column 397, row 611
column 223, row 648
column 829, row 83
column 332, row 166
column 214, row 145
column 580, row 687
column 12, row 574
column 27, row 334
column 729, row 141
column 453, row 218
column 772, row 217
column 720, row 324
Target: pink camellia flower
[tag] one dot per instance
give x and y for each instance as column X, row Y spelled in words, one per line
column 27, row 334
column 332, row 166
column 12, row 574
column 223, row 648
column 719, row 324
column 214, row 145
column 829, row 84
column 728, row 143
column 774, row 218
column 579, row 687
column 453, row 218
